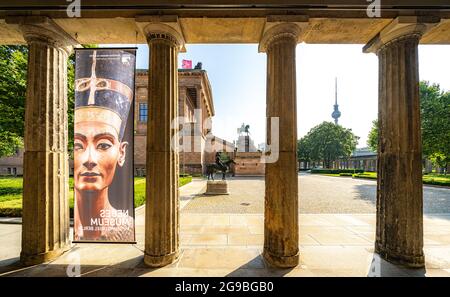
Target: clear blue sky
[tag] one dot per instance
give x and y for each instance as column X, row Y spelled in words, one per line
column 238, row 80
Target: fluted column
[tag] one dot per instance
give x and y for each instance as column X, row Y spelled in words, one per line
column 281, row 193
column 399, row 226
column 162, row 207
column 45, row 227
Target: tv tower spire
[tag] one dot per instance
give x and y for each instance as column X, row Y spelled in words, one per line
column 336, row 113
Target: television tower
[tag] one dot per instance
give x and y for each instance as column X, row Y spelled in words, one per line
column 336, row 113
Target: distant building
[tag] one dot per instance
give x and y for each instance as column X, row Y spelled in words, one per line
column 12, row 165
column 362, row 158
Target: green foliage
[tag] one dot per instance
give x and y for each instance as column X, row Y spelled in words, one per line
column 9, row 143
column 366, row 175
column 335, row 171
column 224, row 157
column 184, row 180
column 327, row 142
column 346, row 174
column 304, row 149
column 436, row 179
column 435, row 124
column 13, row 74
column 372, row 139
column 428, row 179
column 139, row 191
column 435, row 113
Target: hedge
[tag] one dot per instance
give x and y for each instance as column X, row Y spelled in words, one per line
column 427, row 180
column 336, row 171
column 345, row 174
column 365, row 175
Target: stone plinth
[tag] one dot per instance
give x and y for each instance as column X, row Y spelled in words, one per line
column 219, row 187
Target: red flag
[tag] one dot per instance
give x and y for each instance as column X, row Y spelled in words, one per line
column 186, row 64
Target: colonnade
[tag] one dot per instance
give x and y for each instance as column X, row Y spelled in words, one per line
column 399, row 228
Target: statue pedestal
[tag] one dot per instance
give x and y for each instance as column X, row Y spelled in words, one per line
column 219, row 187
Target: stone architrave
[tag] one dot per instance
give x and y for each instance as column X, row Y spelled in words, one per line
column 162, row 205
column 281, row 193
column 399, row 226
column 45, row 215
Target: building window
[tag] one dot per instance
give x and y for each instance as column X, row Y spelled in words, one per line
column 143, row 112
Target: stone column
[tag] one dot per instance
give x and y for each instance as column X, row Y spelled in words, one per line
column 281, row 194
column 162, row 207
column 399, row 227
column 45, row 227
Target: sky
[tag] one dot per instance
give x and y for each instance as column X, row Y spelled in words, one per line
column 238, row 79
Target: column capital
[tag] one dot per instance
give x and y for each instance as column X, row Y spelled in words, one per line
column 401, row 27
column 162, row 28
column 276, row 30
column 41, row 29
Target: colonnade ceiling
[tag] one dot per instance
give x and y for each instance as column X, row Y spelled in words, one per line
column 204, row 21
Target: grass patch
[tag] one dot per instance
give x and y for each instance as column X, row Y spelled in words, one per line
column 436, row 179
column 184, row 180
column 11, row 189
column 366, row 175
column 428, row 179
column 335, row 171
column 346, row 174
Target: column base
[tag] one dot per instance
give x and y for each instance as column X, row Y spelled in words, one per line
column 30, row 260
column 281, row 261
column 160, row 261
column 410, row 261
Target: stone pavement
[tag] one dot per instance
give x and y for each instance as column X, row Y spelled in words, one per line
column 231, row 244
column 317, row 194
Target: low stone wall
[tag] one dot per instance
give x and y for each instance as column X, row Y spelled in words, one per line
column 248, row 164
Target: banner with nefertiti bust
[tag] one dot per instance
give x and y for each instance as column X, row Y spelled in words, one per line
column 103, row 145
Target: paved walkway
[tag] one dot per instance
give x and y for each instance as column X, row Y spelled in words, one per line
column 230, row 244
column 317, row 194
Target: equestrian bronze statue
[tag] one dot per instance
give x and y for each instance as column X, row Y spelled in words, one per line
column 223, row 167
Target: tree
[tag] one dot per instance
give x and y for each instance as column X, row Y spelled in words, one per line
column 13, row 73
column 435, row 116
column 328, row 142
column 13, row 77
column 435, row 124
column 304, row 150
column 372, row 139
column 9, row 143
